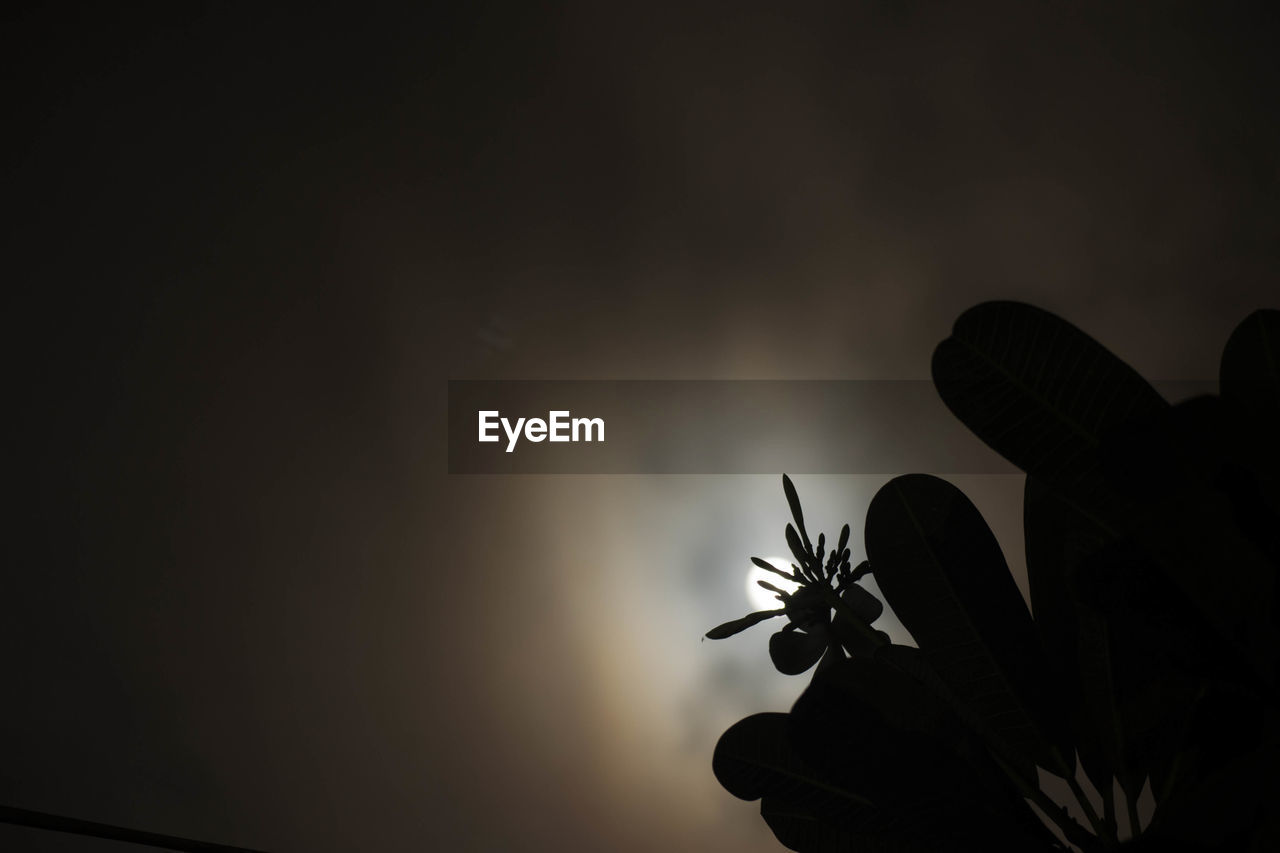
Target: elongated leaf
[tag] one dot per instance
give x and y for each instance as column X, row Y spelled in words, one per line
column 798, row 828
column 1230, row 781
column 1058, row 539
column 942, row 571
column 868, row 726
column 1191, row 506
column 807, row 812
column 754, row 759
column 912, row 662
column 1123, row 641
column 1250, row 387
column 1050, row 398
column 1038, row 390
column 734, row 626
column 794, row 652
column 1250, row 369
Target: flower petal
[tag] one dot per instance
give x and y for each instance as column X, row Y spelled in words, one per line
column 793, row 652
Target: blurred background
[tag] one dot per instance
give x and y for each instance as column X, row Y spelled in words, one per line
column 243, row 601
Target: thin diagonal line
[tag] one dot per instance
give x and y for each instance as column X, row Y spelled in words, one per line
column 75, row 826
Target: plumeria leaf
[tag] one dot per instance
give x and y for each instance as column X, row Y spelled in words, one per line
column 943, row 573
column 754, row 759
column 866, row 726
column 1038, row 390
column 1250, row 370
column 728, row 629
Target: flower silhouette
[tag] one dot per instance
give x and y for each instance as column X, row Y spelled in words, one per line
column 825, row 582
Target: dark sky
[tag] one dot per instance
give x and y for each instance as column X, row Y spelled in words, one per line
column 243, row 601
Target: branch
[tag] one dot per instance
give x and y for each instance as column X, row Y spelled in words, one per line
column 75, row 826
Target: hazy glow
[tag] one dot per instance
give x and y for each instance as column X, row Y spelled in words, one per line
column 761, row 598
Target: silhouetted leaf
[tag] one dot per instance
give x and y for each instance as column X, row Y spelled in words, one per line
column 798, row 828
column 942, row 571
column 867, row 726
column 912, row 662
column 1048, row 397
column 1250, row 369
column 1134, row 631
column 1234, row 783
column 1184, row 446
column 1038, row 390
column 1187, row 509
column 1122, row 657
column 734, row 626
column 1057, row 541
column 804, row 810
column 872, row 728
column 754, row 759
column 794, row 652
column 1250, row 387
column 1159, row 653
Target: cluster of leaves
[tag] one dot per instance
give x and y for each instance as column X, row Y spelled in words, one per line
column 1153, row 547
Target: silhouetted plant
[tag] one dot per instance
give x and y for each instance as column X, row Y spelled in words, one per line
column 811, row 632
column 1153, row 546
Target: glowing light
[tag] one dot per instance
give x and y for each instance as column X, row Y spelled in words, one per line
column 761, row 598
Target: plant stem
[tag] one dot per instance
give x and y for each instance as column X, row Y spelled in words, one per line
column 75, row 826
column 1109, row 808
